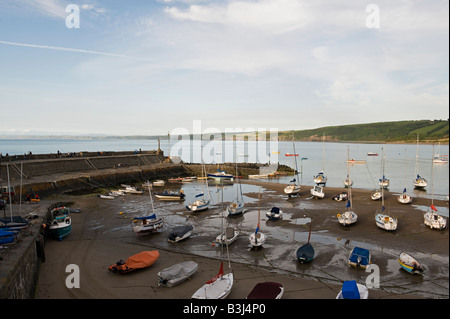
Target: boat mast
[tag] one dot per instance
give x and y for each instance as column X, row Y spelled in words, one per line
column 348, row 179
column 295, row 157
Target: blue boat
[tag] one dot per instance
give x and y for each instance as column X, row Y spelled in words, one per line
column 359, row 258
column 6, row 237
column 306, row 252
column 352, row 290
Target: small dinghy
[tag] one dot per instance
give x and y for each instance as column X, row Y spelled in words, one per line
column 340, row 197
column 409, row 263
column 176, row 274
column 141, row 260
column 274, row 214
column 359, row 258
column 228, row 237
column 352, row 290
column 180, row 233
column 266, row 290
column 317, row 192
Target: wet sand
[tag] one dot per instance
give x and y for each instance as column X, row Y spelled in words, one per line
column 101, row 235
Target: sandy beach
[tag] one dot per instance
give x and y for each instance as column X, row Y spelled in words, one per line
column 101, row 235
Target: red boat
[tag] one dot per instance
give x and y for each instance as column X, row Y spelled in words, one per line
column 141, row 260
column 289, row 154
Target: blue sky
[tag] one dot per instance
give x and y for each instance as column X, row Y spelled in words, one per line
column 147, row 67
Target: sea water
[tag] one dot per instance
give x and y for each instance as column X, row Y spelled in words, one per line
column 400, row 166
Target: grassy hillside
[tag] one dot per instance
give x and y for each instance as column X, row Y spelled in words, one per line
column 402, row 131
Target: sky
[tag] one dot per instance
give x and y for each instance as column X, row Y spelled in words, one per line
column 149, row 67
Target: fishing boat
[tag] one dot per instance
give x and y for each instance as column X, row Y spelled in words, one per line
column 359, row 258
column 177, row 273
column 317, row 192
column 306, row 252
column 419, row 182
column 352, row 290
column 257, row 238
column 274, row 214
column 171, row 196
column 266, row 290
column 409, row 263
column 404, row 198
column 431, row 218
column 180, row 233
column 58, row 222
column 141, row 260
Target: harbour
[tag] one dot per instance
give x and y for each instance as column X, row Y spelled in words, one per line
column 102, row 234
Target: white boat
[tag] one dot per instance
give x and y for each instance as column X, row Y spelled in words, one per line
column 431, row 218
column 116, row 193
column 352, row 290
column 177, row 273
column 409, row 263
column 419, row 182
column 348, row 217
column 274, row 214
column 404, row 198
column 180, row 233
column 384, row 182
column 159, row 183
column 320, row 179
column 133, row 190
column 376, row 194
column 106, row 196
column 437, row 158
column 348, row 182
column 292, row 188
column 147, row 224
column 340, row 197
column 171, row 196
column 201, row 203
column 317, row 192
column 216, row 288
column 228, row 237
column 385, row 221
column 257, row 238
column 219, row 287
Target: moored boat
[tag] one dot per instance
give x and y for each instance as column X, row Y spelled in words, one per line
column 359, row 258
column 171, row 196
column 177, row 273
column 266, row 290
column 140, row 260
column 274, row 214
column 409, row 263
column 58, row 222
column 147, row 224
column 180, row 233
column 352, row 290
column 317, row 192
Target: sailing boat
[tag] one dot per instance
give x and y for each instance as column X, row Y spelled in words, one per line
column 237, row 206
column 349, row 216
column 383, row 182
column 219, row 287
column 437, row 158
column 419, row 181
column 201, row 203
column 293, row 188
column 228, row 235
column 147, row 224
column 383, row 220
column 321, row 179
column 306, row 252
column 257, row 238
column 431, row 218
column 404, row 198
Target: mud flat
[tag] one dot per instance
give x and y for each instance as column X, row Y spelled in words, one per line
column 101, row 235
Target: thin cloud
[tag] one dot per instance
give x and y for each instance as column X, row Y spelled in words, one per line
column 48, row 47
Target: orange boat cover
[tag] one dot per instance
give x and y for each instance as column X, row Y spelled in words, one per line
column 140, row 260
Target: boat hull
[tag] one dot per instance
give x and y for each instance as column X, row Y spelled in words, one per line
column 305, row 253
column 219, row 289
column 347, row 218
column 257, row 239
column 386, row 222
column 409, row 263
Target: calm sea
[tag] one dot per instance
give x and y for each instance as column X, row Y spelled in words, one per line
column 400, row 163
